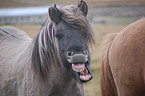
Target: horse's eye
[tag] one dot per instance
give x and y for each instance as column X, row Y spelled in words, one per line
column 58, row 36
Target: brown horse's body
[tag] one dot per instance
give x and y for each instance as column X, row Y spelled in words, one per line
column 123, row 64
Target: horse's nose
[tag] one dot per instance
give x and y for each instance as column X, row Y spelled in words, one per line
column 77, row 57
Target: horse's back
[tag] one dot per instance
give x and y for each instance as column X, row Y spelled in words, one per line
column 127, row 60
column 12, row 42
column 9, row 32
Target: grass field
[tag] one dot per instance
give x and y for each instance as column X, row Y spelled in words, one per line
column 92, row 88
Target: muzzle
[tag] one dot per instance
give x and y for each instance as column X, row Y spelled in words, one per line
column 80, row 64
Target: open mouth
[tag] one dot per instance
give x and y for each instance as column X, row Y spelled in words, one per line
column 84, row 73
column 80, row 64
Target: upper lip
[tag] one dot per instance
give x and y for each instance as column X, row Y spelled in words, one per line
column 77, row 58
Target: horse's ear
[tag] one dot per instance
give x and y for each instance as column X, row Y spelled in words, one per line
column 83, row 7
column 54, row 14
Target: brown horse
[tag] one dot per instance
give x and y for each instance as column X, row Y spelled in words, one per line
column 55, row 62
column 123, row 62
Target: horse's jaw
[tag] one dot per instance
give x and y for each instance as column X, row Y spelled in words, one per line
column 83, row 71
column 80, row 64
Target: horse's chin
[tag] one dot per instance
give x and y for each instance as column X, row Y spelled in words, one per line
column 83, row 71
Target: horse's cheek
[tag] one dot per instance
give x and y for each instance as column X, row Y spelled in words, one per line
column 62, row 45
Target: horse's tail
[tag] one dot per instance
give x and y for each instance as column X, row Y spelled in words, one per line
column 108, row 87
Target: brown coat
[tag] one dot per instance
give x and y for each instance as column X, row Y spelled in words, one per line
column 126, row 62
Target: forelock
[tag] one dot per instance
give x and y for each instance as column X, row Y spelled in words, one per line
column 73, row 16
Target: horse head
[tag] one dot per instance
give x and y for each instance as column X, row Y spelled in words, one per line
column 73, row 35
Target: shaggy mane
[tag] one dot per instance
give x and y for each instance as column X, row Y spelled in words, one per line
column 44, row 53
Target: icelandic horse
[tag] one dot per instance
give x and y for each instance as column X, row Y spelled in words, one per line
column 55, row 62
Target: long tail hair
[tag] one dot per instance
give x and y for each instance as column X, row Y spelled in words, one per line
column 108, row 87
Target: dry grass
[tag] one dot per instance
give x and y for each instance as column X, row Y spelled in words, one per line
column 93, row 87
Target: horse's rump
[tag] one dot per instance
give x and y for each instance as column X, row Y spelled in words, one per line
column 126, row 61
column 108, row 87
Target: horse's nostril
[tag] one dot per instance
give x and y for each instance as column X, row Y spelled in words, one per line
column 68, row 54
column 85, row 52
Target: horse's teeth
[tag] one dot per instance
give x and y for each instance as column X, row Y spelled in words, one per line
column 85, row 77
column 82, row 69
column 78, row 67
column 79, row 70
